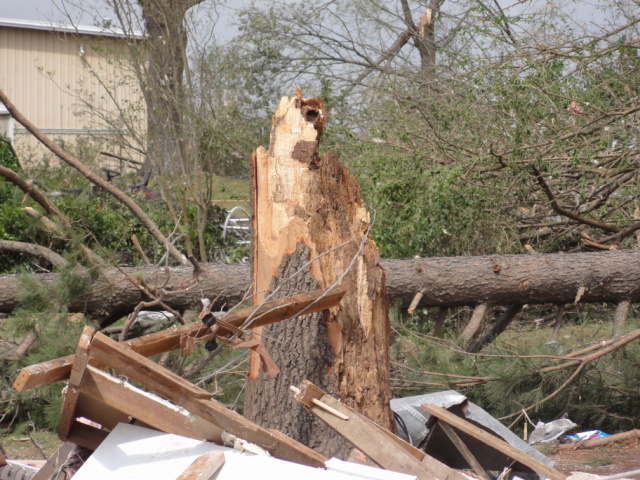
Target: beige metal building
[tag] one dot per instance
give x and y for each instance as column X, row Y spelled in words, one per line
column 77, row 85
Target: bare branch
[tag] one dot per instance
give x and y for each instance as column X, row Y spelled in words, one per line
column 95, row 178
column 31, row 249
column 34, row 193
column 568, row 213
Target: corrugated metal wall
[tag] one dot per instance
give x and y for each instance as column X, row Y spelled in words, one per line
column 72, row 87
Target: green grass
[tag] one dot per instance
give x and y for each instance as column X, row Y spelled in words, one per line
column 571, row 334
column 30, row 446
column 597, row 462
column 231, row 192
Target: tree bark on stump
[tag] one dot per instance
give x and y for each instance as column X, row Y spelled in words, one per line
column 310, row 231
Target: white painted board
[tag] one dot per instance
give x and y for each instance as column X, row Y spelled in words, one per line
column 136, row 453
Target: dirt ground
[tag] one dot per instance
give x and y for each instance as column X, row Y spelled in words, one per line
column 617, row 458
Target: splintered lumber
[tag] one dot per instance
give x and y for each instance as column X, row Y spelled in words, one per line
column 194, row 399
column 204, row 466
column 492, row 441
column 55, row 460
column 381, row 446
column 145, row 407
column 100, row 398
column 80, row 362
column 160, row 342
column 311, row 230
column 464, row 450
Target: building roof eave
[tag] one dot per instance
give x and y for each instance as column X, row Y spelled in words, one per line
column 111, row 31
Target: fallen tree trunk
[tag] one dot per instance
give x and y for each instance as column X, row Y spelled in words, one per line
column 516, row 279
column 493, row 279
column 115, row 292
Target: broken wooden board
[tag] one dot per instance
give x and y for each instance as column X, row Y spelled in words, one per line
column 197, row 401
column 145, row 407
column 104, row 401
column 464, row 450
column 494, row 442
column 72, row 392
column 380, row 445
column 54, row 462
column 204, row 466
column 270, row 312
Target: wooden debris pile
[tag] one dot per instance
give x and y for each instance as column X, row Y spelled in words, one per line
column 95, row 401
column 308, row 218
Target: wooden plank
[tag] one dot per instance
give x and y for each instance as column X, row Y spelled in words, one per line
column 53, row 463
column 204, row 466
column 276, row 310
column 59, row 369
column 72, row 393
column 464, row 450
column 375, row 442
column 254, row 358
column 181, row 392
column 492, row 441
column 86, row 435
column 141, row 369
column 97, row 411
column 146, row 407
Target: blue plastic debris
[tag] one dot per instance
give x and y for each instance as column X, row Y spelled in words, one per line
column 582, row 436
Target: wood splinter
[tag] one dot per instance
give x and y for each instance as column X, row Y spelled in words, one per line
column 416, row 302
column 320, row 404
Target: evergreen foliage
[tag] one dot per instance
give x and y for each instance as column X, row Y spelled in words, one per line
column 505, row 376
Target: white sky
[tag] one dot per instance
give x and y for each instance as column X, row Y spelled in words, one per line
column 52, row 11
column 92, row 12
column 84, row 12
column 585, row 14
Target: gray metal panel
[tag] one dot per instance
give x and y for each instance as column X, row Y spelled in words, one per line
column 415, row 419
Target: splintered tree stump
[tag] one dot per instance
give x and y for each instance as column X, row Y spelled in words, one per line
column 311, row 231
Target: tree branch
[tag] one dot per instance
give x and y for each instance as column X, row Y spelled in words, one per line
column 568, row 213
column 31, row 249
column 95, row 178
column 34, row 193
